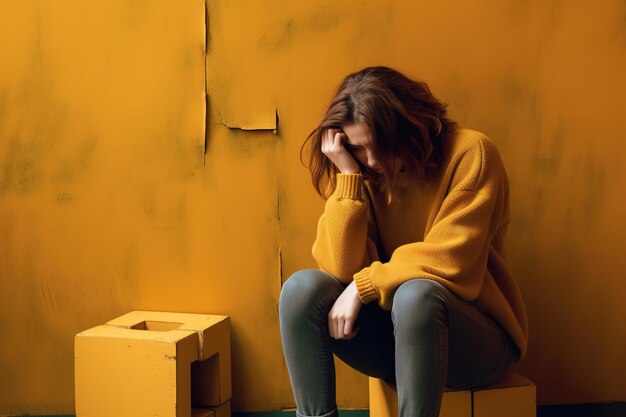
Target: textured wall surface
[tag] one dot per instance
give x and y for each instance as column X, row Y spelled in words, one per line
column 139, row 170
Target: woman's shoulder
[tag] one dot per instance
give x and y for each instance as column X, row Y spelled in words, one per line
column 471, row 143
column 470, row 153
column 464, row 139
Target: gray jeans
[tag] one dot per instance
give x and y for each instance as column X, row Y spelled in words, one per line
column 429, row 339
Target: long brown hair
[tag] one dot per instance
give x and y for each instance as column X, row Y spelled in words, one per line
column 407, row 122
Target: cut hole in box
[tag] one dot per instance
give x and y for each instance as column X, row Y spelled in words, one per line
column 159, row 326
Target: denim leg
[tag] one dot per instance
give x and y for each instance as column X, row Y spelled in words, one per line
column 480, row 351
column 442, row 340
column 419, row 319
column 305, row 300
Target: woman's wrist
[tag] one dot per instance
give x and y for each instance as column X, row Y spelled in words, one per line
column 349, row 186
column 354, row 291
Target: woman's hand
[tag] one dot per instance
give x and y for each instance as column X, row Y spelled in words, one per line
column 333, row 148
column 343, row 314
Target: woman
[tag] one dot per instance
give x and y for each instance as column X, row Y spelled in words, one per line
column 413, row 285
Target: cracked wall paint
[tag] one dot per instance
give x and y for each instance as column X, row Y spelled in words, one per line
column 262, row 122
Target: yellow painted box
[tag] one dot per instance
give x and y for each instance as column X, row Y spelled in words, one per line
column 513, row 396
column 154, row 364
column 384, row 401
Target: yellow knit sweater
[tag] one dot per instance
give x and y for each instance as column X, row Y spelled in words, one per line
column 449, row 229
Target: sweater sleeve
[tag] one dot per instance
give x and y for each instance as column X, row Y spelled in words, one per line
column 455, row 249
column 342, row 246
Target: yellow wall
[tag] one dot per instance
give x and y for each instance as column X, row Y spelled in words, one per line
column 120, row 189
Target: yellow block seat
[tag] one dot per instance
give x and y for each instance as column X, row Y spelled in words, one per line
column 157, row 364
column 513, row 396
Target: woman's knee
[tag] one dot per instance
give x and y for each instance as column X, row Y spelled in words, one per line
column 307, row 289
column 418, row 302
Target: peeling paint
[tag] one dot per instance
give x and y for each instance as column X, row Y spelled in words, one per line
column 207, row 104
column 266, row 123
